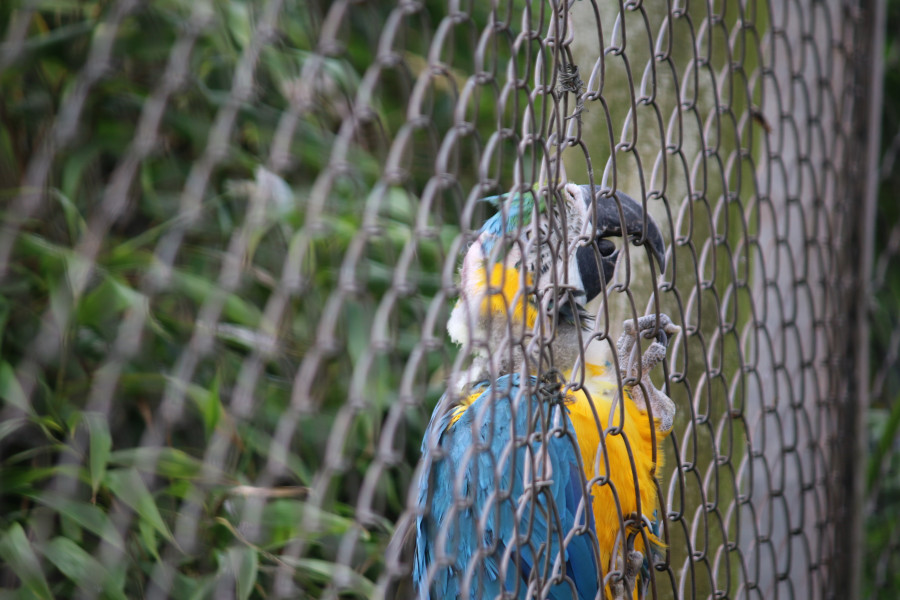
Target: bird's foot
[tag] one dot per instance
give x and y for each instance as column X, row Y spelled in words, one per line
column 630, row 567
column 659, row 328
column 550, row 387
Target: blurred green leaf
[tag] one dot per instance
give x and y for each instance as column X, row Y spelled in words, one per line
column 50, row 253
column 128, row 486
column 884, row 426
column 199, row 289
column 100, row 447
column 285, row 520
column 89, row 516
column 72, row 174
column 238, row 21
column 82, row 568
column 64, row 33
column 74, row 220
column 208, row 403
column 243, row 563
column 165, row 462
column 147, row 534
column 107, row 300
column 11, row 391
column 10, row 426
column 16, row 551
column 62, row 5
column 326, row 572
column 189, row 587
column 261, row 441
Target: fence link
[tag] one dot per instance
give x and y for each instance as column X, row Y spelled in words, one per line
column 231, row 244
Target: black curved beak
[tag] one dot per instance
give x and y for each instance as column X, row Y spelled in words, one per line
column 608, row 223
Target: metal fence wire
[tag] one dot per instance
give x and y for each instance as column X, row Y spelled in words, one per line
column 263, row 336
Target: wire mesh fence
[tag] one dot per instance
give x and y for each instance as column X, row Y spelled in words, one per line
column 343, row 299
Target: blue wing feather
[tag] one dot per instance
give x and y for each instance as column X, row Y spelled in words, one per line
column 473, row 529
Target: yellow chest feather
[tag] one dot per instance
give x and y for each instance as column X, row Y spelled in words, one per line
column 608, row 456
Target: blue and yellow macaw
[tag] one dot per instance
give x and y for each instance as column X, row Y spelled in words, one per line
column 522, row 492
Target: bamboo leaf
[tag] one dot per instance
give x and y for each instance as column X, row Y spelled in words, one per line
column 10, row 426
column 243, row 563
column 199, row 289
column 16, row 551
column 82, row 568
column 100, row 447
column 10, row 390
column 128, row 486
column 343, row 576
column 286, row 518
column 165, row 462
column 86, row 515
column 107, row 300
column 208, row 402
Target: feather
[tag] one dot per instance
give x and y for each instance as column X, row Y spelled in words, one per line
column 514, row 212
column 618, row 481
column 507, row 503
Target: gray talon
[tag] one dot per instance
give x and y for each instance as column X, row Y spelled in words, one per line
column 649, row 327
column 623, row 589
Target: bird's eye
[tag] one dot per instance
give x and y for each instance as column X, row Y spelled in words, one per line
column 606, row 247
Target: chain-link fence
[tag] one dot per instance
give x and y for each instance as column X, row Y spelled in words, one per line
column 230, row 250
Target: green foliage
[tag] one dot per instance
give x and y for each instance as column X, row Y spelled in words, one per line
column 881, row 576
column 122, row 467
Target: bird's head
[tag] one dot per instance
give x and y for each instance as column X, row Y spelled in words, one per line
column 535, row 265
column 603, row 218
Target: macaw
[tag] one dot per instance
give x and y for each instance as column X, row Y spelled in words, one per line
column 503, row 508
